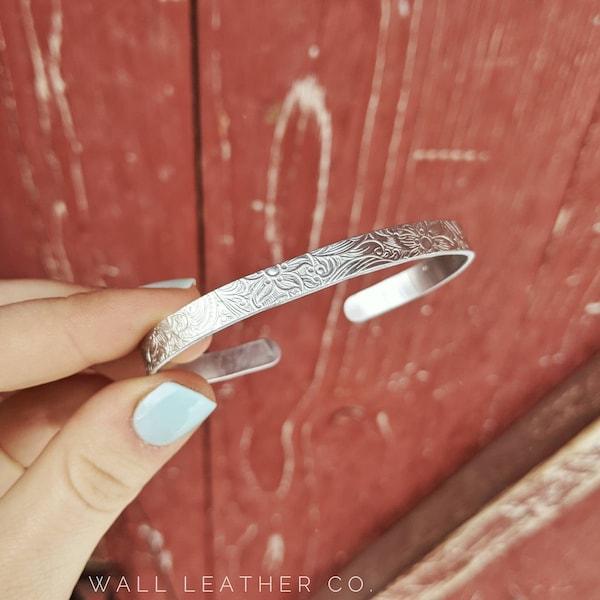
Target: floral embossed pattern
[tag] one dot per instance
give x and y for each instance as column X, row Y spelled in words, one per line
column 298, row 277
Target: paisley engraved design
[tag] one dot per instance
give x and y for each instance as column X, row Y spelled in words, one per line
column 298, row 277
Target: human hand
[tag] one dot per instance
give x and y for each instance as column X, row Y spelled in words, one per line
column 76, row 448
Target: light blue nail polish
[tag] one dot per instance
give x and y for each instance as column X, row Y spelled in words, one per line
column 172, row 283
column 170, row 411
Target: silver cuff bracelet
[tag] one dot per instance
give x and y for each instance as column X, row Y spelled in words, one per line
column 439, row 247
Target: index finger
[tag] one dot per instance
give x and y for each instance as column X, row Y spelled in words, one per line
column 19, row 290
column 51, row 338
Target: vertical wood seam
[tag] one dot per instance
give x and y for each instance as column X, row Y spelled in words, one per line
column 201, row 246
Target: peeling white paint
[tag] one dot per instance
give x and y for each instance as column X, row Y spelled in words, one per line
column 400, row 116
column 450, row 154
column 562, row 220
column 245, row 465
column 369, row 124
column 156, row 543
column 403, row 8
column 423, row 376
column 307, row 96
column 537, row 500
column 592, row 308
column 314, row 51
column 62, row 265
column 274, row 553
column 289, row 459
column 166, row 172
column 257, row 205
column 410, row 367
column 40, row 82
column 426, row 310
column 383, row 424
column 59, row 89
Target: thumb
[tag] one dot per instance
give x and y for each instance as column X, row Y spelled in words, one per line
column 53, row 517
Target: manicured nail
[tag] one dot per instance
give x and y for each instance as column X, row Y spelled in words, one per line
column 170, row 411
column 172, row 283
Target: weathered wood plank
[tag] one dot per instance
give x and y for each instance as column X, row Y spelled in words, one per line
column 322, row 120
column 98, row 185
column 319, row 121
column 554, row 503
column 542, row 431
column 96, row 141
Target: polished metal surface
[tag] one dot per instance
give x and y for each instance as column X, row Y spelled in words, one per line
column 439, row 248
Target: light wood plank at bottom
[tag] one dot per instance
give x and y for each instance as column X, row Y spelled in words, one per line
column 534, row 503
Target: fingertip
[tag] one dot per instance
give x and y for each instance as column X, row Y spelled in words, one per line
column 170, row 412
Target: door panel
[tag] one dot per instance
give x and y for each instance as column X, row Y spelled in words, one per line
column 306, row 123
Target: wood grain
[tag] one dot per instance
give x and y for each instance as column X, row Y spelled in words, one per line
column 98, row 186
column 323, row 120
column 524, row 527
column 319, row 120
column 532, row 439
column 96, row 142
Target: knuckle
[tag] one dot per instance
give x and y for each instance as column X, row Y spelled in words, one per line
column 97, row 487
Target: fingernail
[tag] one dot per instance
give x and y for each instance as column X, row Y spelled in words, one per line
column 172, row 283
column 169, row 412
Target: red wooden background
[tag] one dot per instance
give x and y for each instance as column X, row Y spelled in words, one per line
column 317, row 121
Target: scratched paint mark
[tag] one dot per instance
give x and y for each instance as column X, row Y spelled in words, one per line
column 235, row 550
column 289, row 459
column 382, row 420
column 348, row 354
column 40, row 80
column 537, row 500
column 62, row 266
column 25, row 167
column 369, row 124
column 315, row 384
column 397, row 381
column 314, row 51
column 274, row 553
column 403, row 8
column 156, row 542
column 426, row 310
column 423, row 376
column 244, row 464
column 410, row 368
column 400, row 115
column 311, row 483
column 216, row 78
column 327, row 338
column 108, row 271
column 308, row 97
column 59, row 88
column 592, row 308
column 166, row 172
column 450, row 154
column 215, row 15
column 562, row 220
column 596, row 228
